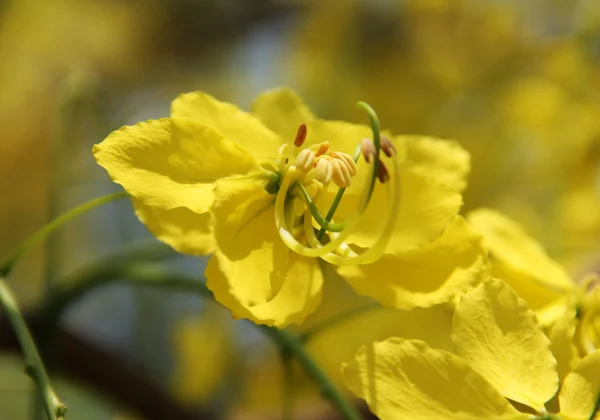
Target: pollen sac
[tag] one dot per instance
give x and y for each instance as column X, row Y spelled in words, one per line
column 305, row 160
column 368, row 149
column 300, row 135
column 323, row 171
column 387, row 146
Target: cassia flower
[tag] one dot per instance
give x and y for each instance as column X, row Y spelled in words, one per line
column 271, row 192
column 500, row 354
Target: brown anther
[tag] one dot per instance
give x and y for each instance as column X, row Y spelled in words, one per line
column 383, row 174
column 322, row 149
column 300, row 135
column 387, row 146
column 368, row 149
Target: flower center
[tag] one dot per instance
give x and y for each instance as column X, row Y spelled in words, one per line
column 300, row 224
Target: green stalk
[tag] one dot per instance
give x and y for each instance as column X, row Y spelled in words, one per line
column 291, row 343
column 55, row 409
column 47, row 229
column 152, row 275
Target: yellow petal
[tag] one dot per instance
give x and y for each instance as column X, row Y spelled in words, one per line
column 252, row 272
column 357, row 323
column 563, row 347
column 402, row 378
column 436, row 273
column 581, row 388
column 185, row 231
column 282, row 110
column 171, row 163
column 444, row 160
column 502, row 339
column 228, row 120
column 520, row 261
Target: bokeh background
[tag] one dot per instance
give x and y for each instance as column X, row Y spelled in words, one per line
column 516, row 82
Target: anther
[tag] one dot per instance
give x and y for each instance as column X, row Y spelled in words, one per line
column 347, row 159
column 305, row 160
column 387, row 146
column 368, row 149
column 323, row 171
column 300, row 135
column 322, row 149
column 341, row 174
column 383, row 174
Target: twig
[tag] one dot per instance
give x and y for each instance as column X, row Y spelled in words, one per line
column 336, row 319
column 47, row 229
column 55, row 409
column 152, row 275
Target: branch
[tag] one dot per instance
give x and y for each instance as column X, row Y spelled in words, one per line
column 151, row 275
column 55, row 409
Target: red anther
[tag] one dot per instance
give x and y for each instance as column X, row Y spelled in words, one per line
column 387, row 146
column 368, row 149
column 383, row 175
column 300, row 135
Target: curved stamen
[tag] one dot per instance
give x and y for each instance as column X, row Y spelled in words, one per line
column 376, row 141
column 284, row 231
column 378, row 248
column 332, row 227
column 336, row 200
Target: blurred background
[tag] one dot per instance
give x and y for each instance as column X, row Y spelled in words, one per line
column 516, row 82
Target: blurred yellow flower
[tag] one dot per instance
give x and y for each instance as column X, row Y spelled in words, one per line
column 518, row 259
column 248, row 188
column 501, row 354
column 202, row 353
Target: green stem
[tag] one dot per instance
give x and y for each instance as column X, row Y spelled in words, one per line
column 596, row 408
column 152, row 275
column 55, row 409
column 291, row 343
column 336, row 319
column 46, row 230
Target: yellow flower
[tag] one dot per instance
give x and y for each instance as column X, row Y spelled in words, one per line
column 501, row 354
column 518, row 259
column 252, row 189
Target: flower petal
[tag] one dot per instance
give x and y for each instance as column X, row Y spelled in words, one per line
column 282, row 111
column 358, row 322
column 444, row 160
column 185, row 231
column 502, row 339
column 436, row 273
column 581, row 388
column 427, row 208
column 402, row 378
column 171, row 163
column 252, row 272
column 520, row 261
column 228, row 120
column 561, row 336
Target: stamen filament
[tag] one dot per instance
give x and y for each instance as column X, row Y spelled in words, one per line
column 284, row 231
column 378, row 248
column 376, row 140
column 325, row 224
column 336, row 201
